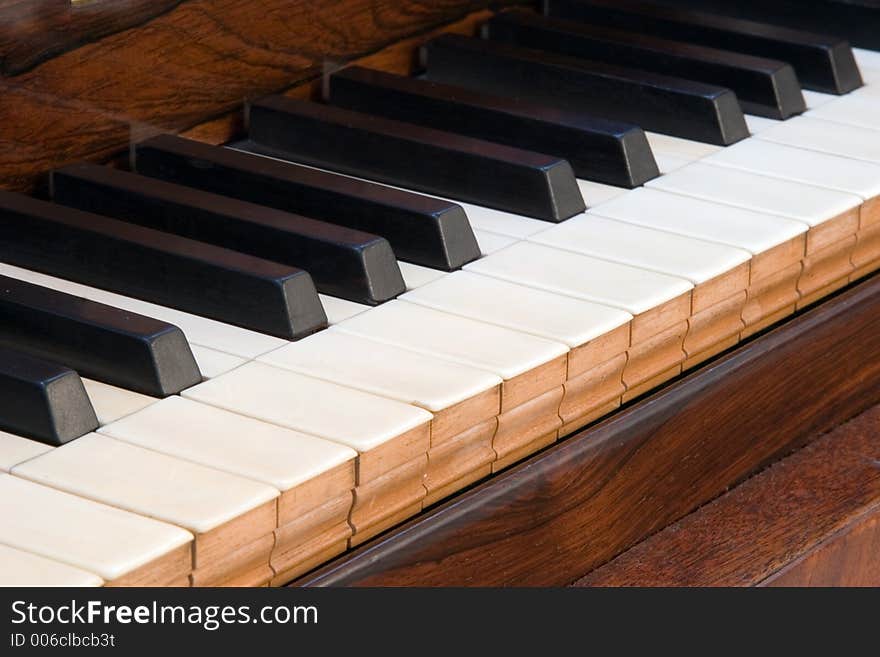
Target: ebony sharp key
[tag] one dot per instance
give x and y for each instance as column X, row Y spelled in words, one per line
column 765, row 87
column 423, row 159
column 597, row 149
column 169, row 270
column 42, row 400
column 421, row 229
column 683, row 108
column 823, row 63
column 343, row 262
column 100, row 342
column 853, row 20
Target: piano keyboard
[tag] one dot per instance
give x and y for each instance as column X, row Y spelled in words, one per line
column 234, row 363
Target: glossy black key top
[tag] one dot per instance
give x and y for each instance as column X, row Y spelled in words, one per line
column 853, row 20
column 42, row 400
column 823, row 63
column 173, row 271
column 100, row 342
column 347, row 263
column 422, row 159
column 765, row 87
column 693, row 110
column 597, row 149
column 421, row 229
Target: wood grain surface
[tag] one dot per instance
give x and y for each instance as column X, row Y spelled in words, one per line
column 32, row 31
column 106, row 76
column 811, row 519
column 848, row 558
column 586, row 500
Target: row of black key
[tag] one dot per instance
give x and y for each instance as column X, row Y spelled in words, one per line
column 823, row 63
column 766, row 87
column 148, row 264
column 341, row 261
column 424, row 159
column 49, row 338
column 853, row 20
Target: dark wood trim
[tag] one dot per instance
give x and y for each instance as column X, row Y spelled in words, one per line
column 582, row 502
column 811, row 519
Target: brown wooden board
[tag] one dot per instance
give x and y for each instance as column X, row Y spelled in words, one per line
column 32, row 31
column 579, row 504
column 811, row 519
column 102, row 73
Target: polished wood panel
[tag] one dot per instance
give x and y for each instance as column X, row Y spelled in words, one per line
column 32, row 31
column 180, row 64
column 847, row 559
column 811, row 519
column 586, row 500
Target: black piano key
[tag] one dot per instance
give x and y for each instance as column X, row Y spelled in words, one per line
column 343, row 262
column 421, row 229
column 42, row 400
column 173, row 271
column 683, row 108
column 823, row 62
column 100, row 342
column 853, row 20
column 422, row 159
column 597, row 149
column 765, row 87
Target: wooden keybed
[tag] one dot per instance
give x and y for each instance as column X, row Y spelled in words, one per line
column 67, row 102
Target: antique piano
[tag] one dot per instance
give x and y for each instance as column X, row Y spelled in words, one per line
column 436, row 293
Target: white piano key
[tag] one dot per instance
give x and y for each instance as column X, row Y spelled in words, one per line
column 851, row 110
column 227, row 441
column 505, row 223
column 871, row 78
column 597, row 193
column 755, row 232
column 866, row 58
column 758, row 124
column 339, row 310
column 15, row 449
column 198, row 330
column 112, row 403
column 21, row 568
column 827, row 137
column 669, row 163
column 810, row 204
column 214, row 363
column 810, row 167
column 146, row 482
column 553, row 316
column 492, row 242
column 682, row 149
column 416, row 275
column 814, row 99
column 505, row 352
column 49, row 522
column 696, row 260
column 383, row 369
column 360, row 420
column 632, row 289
